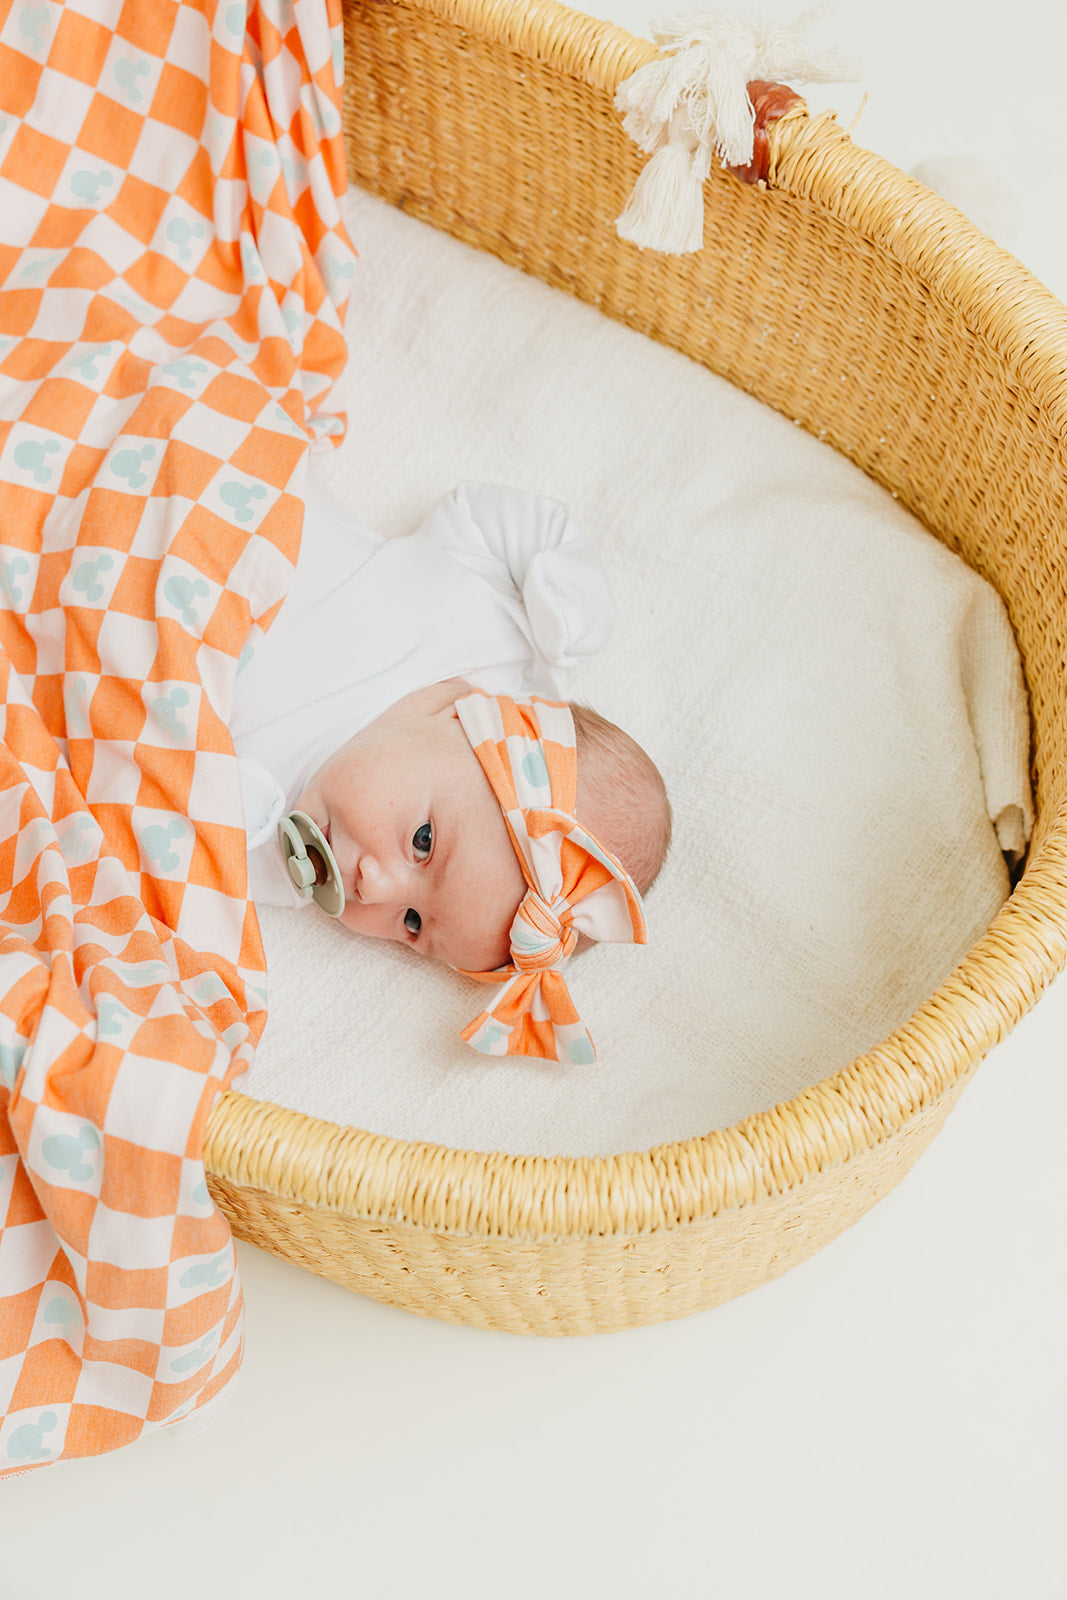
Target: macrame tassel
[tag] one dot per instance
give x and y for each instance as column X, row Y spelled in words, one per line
column 693, row 103
column 666, row 210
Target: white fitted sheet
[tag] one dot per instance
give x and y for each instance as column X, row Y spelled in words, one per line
column 835, row 702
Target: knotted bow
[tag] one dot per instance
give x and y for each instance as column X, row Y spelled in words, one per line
column 527, row 750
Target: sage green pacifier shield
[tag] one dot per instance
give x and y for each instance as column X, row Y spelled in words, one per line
column 310, row 863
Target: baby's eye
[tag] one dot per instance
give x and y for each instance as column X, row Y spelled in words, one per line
column 412, row 921
column 422, row 841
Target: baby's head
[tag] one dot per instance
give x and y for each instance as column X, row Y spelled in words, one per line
column 419, row 837
column 622, row 798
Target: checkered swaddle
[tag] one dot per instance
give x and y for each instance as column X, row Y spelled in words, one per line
column 173, row 270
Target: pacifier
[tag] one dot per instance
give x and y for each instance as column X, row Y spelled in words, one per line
column 310, row 863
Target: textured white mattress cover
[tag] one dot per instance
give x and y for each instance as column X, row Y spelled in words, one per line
column 834, row 699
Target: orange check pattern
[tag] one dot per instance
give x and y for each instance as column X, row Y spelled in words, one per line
column 173, row 277
column 528, row 751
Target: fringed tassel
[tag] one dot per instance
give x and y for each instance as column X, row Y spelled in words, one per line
column 693, row 103
column 666, row 210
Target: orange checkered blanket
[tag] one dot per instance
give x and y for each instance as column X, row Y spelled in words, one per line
column 173, row 272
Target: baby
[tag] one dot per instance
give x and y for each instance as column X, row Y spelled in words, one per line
column 430, row 646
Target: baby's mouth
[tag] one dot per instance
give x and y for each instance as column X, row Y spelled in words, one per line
column 322, row 871
column 352, row 893
column 327, row 835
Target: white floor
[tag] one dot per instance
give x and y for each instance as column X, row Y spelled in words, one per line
column 886, row 1421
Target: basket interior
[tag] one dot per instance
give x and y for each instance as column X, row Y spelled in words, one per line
column 868, row 310
column 791, row 648
column 846, row 296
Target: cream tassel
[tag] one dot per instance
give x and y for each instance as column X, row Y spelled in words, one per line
column 693, row 103
column 667, row 204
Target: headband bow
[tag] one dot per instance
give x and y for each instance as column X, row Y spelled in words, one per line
column 527, row 750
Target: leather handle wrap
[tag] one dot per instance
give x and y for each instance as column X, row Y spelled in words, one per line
column 769, row 102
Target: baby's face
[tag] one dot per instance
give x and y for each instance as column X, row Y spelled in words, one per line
column 419, row 838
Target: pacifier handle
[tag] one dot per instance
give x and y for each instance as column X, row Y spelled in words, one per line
column 310, row 863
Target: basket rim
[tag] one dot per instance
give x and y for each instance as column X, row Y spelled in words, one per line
column 999, row 299
column 813, row 158
column 374, row 1177
column 552, row 34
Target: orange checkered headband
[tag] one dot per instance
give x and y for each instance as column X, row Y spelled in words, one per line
column 527, row 750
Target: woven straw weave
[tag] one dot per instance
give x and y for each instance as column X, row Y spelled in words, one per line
column 856, row 302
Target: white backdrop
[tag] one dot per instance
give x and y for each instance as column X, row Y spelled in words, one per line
column 885, row 1421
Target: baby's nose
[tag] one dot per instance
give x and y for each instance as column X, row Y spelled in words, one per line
column 377, row 883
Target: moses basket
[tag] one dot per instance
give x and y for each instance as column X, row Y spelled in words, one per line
column 861, row 305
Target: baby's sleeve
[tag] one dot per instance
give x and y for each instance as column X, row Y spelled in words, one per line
column 531, row 553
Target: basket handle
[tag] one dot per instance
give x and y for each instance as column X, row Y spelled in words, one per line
column 769, row 102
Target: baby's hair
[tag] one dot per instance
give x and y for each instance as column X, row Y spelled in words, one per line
column 621, row 796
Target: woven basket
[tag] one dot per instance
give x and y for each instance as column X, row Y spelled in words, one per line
column 858, row 303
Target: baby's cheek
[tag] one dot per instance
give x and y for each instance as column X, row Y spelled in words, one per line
column 368, row 921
